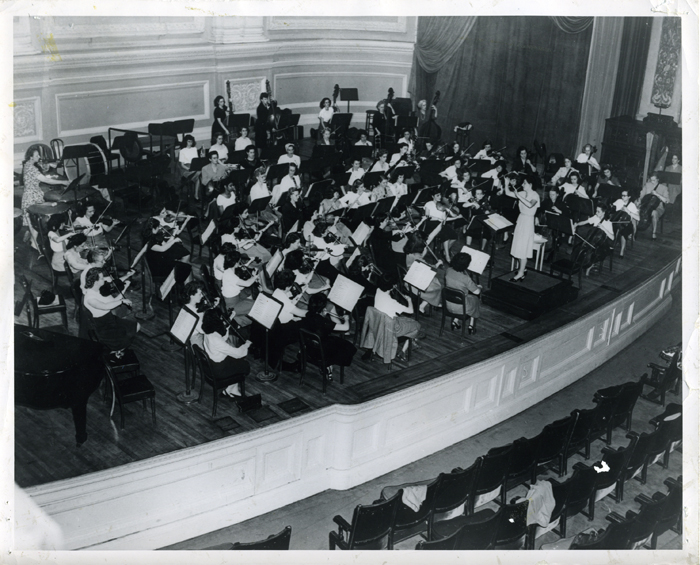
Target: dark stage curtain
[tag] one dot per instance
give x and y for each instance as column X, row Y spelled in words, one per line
column 636, row 35
column 515, row 79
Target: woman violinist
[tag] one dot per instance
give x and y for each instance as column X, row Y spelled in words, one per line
column 400, row 309
column 235, row 286
column 226, row 360
column 56, row 241
column 656, row 193
column 457, row 277
column 95, row 232
column 164, row 247
column 113, row 332
column 337, row 351
column 438, row 214
column 381, row 165
column 415, row 249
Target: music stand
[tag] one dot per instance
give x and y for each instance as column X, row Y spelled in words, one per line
column 402, row 106
column 325, row 152
column 558, row 223
column 361, row 152
column 405, row 200
column 318, row 188
column 236, row 157
column 265, row 311
column 383, row 205
column 370, row 180
column 478, row 167
column 406, row 122
column 239, row 121
column 667, row 177
column 424, row 196
column 356, row 215
column 349, row 95
column 579, row 206
column 286, row 122
column 181, row 332
column 406, row 170
column 259, row 204
column 609, row 192
column 276, row 172
column 495, row 232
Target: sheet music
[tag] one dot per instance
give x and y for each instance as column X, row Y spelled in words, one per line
column 274, row 263
column 361, row 234
column 167, row 285
column 184, row 325
column 265, row 310
column 420, row 275
column 355, row 254
column 345, row 293
column 479, row 260
column 207, row 232
column 497, row 222
column 294, row 228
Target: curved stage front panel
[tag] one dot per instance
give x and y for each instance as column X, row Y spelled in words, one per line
column 163, row 500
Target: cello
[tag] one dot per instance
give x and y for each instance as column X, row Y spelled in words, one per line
column 430, row 129
column 649, row 203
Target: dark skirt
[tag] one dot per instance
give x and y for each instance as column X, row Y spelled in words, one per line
column 115, row 333
column 230, row 367
column 337, row 351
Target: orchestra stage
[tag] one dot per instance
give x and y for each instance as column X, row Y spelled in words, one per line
column 45, row 445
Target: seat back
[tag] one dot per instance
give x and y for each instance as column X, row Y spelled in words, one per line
column 371, row 525
column 455, row 489
column 554, row 439
column 584, row 425
column 670, row 511
column 522, row 461
column 616, row 462
column 642, row 449
column 275, row 542
column 311, row 347
column 57, row 148
column 512, row 528
column 203, row 363
column 454, row 296
column 493, row 471
column 626, row 400
column 32, row 305
column 480, row 535
column 581, row 487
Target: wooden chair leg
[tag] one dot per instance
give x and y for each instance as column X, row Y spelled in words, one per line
column 153, row 408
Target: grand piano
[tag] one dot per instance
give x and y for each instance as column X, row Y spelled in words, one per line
column 55, row 370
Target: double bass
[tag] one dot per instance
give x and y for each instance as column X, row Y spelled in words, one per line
column 430, row 129
column 649, row 203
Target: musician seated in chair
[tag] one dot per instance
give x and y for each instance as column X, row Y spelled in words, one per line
column 289, row 156
column 486, row 152
column 220, row 148
column 563, row 174
column 356, row 171
column 357, row 196
column 626, row 211
column 381, row 165
column 226, row 360
column 407, row 141
column 75, row 249
column 436, row 228
column 227, row 197
column 652, row 187
column 305, row 275
column 451, row 172
column 113, row 332
column 573, row 187
column 605, row 177
column 363, row 141
column 95, row 232
column 325, row 138
column 399, row 308
column 288, row 181
column 235, row 286
column 242, row 141
column 337, row 351
column 415, row 249
column 212, row 173
column 598, row 223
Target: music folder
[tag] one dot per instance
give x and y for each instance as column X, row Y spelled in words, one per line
column 370, row 180
column 345, row 293
column 497, row 222
column 265, row 310
column 420, row 275
column 479, row 259
column 259, row 204
column 184, row 326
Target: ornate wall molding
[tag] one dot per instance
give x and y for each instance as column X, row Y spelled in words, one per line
column 388, row 24
column 27, row 119
column 667, row 63
column 244, row 29
column 93, row 28
column 244, row 93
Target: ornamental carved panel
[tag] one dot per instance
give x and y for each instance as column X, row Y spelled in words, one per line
column 26, row 120
column 667, row 63
column 244, row 95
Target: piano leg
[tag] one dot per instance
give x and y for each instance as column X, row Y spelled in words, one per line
column 80, row 421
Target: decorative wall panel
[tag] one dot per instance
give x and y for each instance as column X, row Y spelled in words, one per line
column 244, row 93
column 94, row 111
column 27, row 119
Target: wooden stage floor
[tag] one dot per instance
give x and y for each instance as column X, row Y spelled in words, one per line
column 45, row 448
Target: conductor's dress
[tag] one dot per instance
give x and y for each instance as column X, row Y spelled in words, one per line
column 524, row 234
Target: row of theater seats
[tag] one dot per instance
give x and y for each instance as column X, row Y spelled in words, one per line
column 390, row 519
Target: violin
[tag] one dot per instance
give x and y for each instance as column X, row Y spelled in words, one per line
column 244, row 272
column 206, row 304
column 396, row 295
